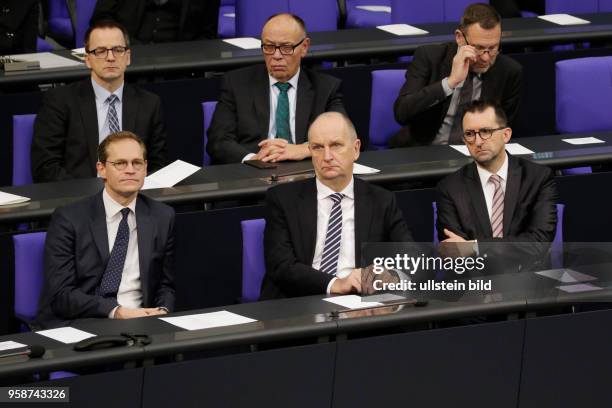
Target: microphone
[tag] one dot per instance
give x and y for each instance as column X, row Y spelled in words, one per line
column 33, row 351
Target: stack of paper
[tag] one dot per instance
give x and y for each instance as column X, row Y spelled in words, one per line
column 246, row 43
column 170, row 175
column 402, row 29
column 6, row 198
column 207, row 320
column 563, row 19
column 66, row 335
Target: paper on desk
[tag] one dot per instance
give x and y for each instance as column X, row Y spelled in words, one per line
column 207, row 320
column 566, row 275
column 583, row 140
column 379, row 9
column 461, row 148
column 78, row 53
column 402, row 29
column 10, row 345
column 246, row 43
column 48, row 60
column 66, row 335
column 170, row 175
column 581, row 287
column 7, row 198
column 512, row 148
column 564, row 19
column 351, row 302
column 361, row 169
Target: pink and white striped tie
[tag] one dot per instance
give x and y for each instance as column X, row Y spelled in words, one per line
column 497, row 209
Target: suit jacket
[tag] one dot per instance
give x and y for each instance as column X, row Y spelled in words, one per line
column 242, row 116
column 77, row 251
column 65, row 139
column 18, row 26
column 422, row 104
column 530, row 214
column 197, row 20
column 291, row 233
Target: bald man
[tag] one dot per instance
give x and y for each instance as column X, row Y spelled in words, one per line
column 315, row 227
column 264, row 110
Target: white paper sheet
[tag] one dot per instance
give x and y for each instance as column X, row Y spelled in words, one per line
column 361, row 169
column 170, row 175
column 517, row 148
column 66, row 335
column 7, row 198
column 207, row 320
column 229, row 15
column 402, row 29
column 10, row 345
column 564, row 19
column 246, row 43
column 583, row 140
column 377, row 9
column 48, row 60
column 581, row 287
column 461, row 148
column 351, row 302
column 566, row 275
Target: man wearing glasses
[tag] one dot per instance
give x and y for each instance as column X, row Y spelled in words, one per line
column 498, row 197
column 111, row 254
column 442, row 79
column 74, row 119
column 264, row 111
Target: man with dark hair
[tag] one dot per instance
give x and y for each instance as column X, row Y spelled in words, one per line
column 111, row 254
column 74, row 119
column 443, row 78
column 499, row 197
column 264, row 110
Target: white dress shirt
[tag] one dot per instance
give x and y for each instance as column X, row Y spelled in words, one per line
column 130, row 291
column 274, row 93
column 487, row 185
column 346, row 255
column 102, row 109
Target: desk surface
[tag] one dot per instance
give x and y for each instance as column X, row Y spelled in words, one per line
column 239, row 181
column 216, row 55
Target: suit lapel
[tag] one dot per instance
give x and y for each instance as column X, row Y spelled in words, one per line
column 477, row 198
column 183, row 16
column 363, row 217
column 307, row 210
column 98, row 229
column 513, row 185
column 145, row 232
column 303, row 106
column 129, row 109
column 89, row 117
column 261, row 100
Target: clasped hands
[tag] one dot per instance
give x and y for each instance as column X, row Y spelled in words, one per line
column 361, row 281
column 276, row 150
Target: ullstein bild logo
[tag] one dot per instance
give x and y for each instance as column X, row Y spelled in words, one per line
column 412, row 265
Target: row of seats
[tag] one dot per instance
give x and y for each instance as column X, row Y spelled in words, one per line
column 582, row 96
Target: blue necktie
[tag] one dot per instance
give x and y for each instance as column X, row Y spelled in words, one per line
column 111, row 116
column 331, row 249
column 114, row 269
column 283, row 130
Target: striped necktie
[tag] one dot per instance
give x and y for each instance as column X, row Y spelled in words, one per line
column 497, row 209
column 331, row 249
column 283, row 129
column 114, row 268
column 111, row 116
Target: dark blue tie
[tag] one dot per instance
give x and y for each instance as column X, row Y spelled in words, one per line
column 114, row 269
column 331, row 249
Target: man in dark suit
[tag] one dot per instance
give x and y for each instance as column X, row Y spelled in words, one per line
column 155, row 21
column 84, row 278
column 264, row 111
column 499, row 198
column 443, row 78
column 74, row 119
column 315, row 228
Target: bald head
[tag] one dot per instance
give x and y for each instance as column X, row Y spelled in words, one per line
column 284, row 44
column 285, row 22
column 336, row 122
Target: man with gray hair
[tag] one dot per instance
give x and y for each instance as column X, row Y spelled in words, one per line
column 315, row 227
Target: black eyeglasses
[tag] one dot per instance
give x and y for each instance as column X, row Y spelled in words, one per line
column 285, row 49
column 480, row 50
column 137, row 164
column 484, row 133
column 102, row 52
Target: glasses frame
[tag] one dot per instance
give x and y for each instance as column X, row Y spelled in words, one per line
column 479, row 133
column 120, row 165
column 279, row 48
column 106, row 50
column 480, row 51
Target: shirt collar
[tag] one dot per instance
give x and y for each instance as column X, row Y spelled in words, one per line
column 485, row 174
column 112, row 208
column 102, row 94
column 293, row 80
column 323, row 191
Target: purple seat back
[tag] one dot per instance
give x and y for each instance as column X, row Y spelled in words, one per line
column 227, row 21
column 208, row 110
column 59, row 20
column 253, row 263
column 23, row 129
column 571, row 6
column 385, row 88
column 605, row 6
column 84, row 11
column 583, row 95
column 319, row 15
column 29, row 252
column 358, row 18
column 431, row 11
